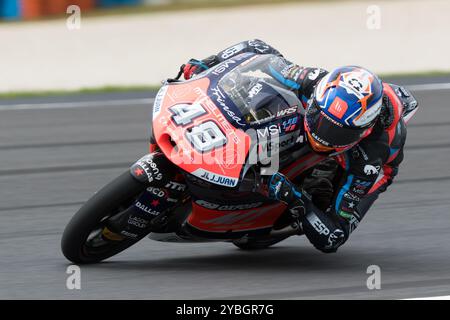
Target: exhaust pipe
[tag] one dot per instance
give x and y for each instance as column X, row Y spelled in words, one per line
column 291, row 230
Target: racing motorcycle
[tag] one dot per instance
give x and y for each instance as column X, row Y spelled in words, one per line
column 214, row 139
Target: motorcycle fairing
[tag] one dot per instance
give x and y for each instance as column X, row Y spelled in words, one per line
column 231, row 221
column 186, row 120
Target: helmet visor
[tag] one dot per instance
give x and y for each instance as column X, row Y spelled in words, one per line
column 328, row 131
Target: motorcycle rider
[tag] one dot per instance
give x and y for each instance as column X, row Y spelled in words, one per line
column 354, row 119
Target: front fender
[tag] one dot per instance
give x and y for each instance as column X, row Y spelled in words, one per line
column 153, row 169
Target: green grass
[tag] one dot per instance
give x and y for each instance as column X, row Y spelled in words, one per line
column 118, row 89
column 84, row 91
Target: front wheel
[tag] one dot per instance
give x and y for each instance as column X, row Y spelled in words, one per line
column 82, row 241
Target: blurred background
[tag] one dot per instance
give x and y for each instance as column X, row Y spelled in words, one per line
column 135, row 43
column 34, row 9
column 59, row 144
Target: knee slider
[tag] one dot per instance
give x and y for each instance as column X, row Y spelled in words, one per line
column 322, row 231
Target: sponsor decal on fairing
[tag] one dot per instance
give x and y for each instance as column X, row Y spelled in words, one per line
column 230, row 207
column 215, row 178
column 159, row 100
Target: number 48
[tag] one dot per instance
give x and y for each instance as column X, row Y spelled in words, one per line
column 205, row 136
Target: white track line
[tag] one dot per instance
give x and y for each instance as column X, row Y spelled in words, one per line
column 79, row 104
column 431, row 298
column 428, row 86
column 149, row 101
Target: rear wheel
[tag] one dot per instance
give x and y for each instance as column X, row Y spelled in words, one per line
column 83, row 240
column 258, row 243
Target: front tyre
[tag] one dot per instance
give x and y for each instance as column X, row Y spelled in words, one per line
column 82, row 241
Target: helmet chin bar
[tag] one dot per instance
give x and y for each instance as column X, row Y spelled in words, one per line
column 343, row 149
column 334, row 151
column 316, row 146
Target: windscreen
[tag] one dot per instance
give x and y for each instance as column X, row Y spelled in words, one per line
column 256, row 92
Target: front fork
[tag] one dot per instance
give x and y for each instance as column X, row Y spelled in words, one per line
column 152, row 209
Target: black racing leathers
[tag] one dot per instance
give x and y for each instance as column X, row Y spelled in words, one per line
column 369, row 167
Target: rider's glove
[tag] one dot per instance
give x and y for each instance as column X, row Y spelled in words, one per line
column 194, row 67
column 188, row 70
column 281, row 189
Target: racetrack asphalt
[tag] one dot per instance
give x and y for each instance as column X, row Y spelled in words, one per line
column 54, row 159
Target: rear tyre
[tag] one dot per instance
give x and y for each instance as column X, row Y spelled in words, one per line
column 82, row 241
column 258, row 244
